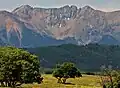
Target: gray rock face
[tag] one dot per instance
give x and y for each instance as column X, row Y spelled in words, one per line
column 67, row 24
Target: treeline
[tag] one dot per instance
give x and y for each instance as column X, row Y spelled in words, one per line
column 88, row 58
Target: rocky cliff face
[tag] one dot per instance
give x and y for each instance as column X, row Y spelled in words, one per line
column 31, row 27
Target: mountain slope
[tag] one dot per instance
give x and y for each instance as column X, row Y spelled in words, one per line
column 109, row 40
column 89, row 57
column 26, row 26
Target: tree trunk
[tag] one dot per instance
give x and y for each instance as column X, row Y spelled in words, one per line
column 2, row 84
column 59, row 80
column 104, row 86
column 111, row 81
column 6, row 83
column 10, row 83
column 13, row 84
column 64, row 80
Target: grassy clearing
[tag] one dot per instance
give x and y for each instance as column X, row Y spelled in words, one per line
column 51, row 82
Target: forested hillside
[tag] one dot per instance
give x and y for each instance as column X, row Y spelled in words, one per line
column 90, row 57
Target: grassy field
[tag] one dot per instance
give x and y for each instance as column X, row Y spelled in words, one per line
column 51, row 82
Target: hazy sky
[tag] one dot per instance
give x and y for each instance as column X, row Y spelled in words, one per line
column 105, row 5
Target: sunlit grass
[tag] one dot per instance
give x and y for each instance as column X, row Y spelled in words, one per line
column 51, row 82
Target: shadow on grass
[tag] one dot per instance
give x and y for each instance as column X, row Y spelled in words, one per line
column 69, row 84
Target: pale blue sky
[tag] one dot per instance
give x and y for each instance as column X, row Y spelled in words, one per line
column 106, row 5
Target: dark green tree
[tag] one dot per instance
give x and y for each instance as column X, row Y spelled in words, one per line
column 65, row 71
column 17, row 65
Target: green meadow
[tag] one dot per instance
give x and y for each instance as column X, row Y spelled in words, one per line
column 83, row 82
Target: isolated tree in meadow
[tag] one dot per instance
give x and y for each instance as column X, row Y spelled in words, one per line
column 17, row 65
column 65, row 71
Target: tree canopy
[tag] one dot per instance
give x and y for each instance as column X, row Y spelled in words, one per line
column 66, row 70
column 110, row 78
column 17, row 65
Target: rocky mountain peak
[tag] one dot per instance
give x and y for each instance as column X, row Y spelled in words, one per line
column 22, row 8
column 23, row 11
column 67, row 24
column 66, row 6
column 87, row 7
column 5, row 13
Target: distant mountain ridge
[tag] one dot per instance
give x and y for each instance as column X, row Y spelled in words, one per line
column 26, row 26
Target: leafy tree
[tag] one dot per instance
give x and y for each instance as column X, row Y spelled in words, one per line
column 110, row 78
column 65, row 71
column 17, row 65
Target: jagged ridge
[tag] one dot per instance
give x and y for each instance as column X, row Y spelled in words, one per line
column 27, row 26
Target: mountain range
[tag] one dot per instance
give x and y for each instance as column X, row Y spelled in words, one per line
column 28, row 26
